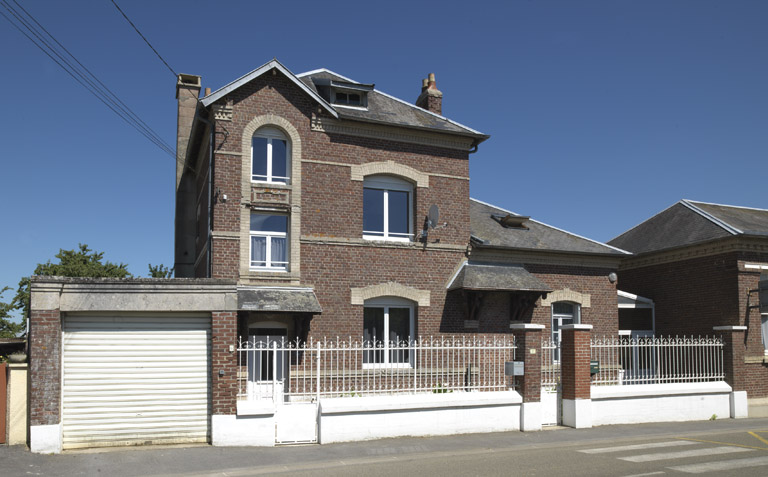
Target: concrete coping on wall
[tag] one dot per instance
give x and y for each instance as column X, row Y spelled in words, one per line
column 418, row 401
column 579, row 327
column 526, row 326
column 729, row 328
column 656, row 390
column 255, row 408
column 134, row 294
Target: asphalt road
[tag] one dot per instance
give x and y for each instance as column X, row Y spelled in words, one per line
column 724, row 447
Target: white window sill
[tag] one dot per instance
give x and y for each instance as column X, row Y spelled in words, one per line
column 269, row 270
column 374, row 238
column 280, row 185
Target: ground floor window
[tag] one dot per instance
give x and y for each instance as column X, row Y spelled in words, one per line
column 563, row 313
column 388, row 329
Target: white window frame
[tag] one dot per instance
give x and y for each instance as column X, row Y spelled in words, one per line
column 387, row 303
column 575, row 318
column 270, row 267
column 387, row 184
column 270, row 134
column 363, row 98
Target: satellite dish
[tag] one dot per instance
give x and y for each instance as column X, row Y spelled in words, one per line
column 433, row 216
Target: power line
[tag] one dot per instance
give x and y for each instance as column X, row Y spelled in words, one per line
column 144, row 38
column 81, row 74
column 111, row 94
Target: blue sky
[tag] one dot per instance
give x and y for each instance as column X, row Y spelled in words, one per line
column 601, row 113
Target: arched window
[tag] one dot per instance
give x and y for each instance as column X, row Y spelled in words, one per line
column 563, row 313
column 387, row 209
column 388, row 330
column 270, row 156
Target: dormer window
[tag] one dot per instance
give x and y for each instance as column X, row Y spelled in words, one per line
column 350, row 99
column 343, row 93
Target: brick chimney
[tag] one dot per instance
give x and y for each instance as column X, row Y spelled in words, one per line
column 187, row 92
column 431, row 98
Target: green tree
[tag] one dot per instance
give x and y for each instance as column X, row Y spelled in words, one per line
column 82, row 262
column 8, row 328
column 160, row 271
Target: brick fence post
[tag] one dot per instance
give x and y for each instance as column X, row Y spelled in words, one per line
column 528, row 344
column 733, row 366
column 575, row 378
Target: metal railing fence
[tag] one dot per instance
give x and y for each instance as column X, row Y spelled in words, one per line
column 550, row 363
column 298, row 371
column 657, row 360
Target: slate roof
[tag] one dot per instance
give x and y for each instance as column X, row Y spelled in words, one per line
column 382, row 108
column 690, row 222
column 479, row 276
column 385, row 109
column 488, row 232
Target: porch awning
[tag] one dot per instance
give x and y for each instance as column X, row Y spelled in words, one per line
column 284, row 299
column 475, row 276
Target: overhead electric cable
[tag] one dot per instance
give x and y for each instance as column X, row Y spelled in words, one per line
column 143, row 38
column 81, row 74
column 111, row 94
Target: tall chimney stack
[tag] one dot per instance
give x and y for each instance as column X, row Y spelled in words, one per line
column 430, row 98
column 187, row 92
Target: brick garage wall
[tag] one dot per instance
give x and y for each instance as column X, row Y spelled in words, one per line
column 224, row 386
column 44, row 367
column 691, row 296
column 603, row 313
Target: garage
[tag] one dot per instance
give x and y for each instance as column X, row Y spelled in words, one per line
column 132, row 379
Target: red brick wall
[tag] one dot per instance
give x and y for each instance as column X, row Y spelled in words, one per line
column 575, row 356
column 603, row 311
column 691, row 296
column 224, row 386
column 44, row 367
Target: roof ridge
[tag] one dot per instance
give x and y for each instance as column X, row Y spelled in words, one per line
column 725, row 205
column 559, row 229
column 720, row 223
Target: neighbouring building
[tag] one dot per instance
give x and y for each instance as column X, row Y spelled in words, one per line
column 700, row 263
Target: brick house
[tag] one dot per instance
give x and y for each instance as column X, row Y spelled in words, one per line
column 701, row 263
column 306, row 208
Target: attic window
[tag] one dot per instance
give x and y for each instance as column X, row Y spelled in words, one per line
column 348, row 98
column 510, row 221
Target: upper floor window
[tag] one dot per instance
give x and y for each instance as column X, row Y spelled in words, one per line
column 269, row 242
column 387, row 206
column 270, row 156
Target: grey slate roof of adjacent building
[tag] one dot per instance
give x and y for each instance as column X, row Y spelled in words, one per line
column 690, row 222
column 480, row 276
column 488, row 232
column 386, row 109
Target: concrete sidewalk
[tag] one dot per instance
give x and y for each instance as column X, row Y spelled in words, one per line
column 230, row 461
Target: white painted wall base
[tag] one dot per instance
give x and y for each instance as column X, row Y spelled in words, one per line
column 253, row 430
column 45, row 439
column 577, row 413
column 366, row 418
column 660, row 403
column 530, row 416
column 739, row 405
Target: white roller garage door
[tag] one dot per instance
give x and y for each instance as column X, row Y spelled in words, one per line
column 135, row 379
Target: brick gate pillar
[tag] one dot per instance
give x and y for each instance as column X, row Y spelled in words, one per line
column 528, row 344
column 733, row 366
column 575, row 378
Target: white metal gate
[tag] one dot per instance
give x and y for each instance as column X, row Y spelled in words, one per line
column 135, row 379
column 551, row 387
